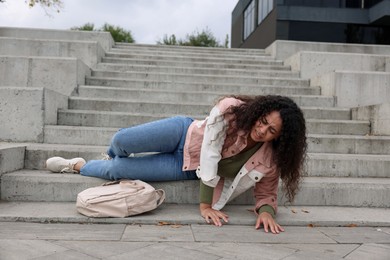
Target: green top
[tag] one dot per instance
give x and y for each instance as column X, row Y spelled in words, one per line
column 228, row 168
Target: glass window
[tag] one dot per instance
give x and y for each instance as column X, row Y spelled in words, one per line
column 249, row 19
column 264, row 8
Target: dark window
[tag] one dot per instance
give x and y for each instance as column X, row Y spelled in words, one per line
column 249, row 19
column 337, row 32
column 331, row 3
column 263, row 9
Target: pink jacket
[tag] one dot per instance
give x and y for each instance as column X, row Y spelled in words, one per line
column 210, row 140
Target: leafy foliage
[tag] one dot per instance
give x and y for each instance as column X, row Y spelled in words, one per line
column 46, row 4
column 118, row 33
column 85, row 27
column 201, row 39
column 171, row 40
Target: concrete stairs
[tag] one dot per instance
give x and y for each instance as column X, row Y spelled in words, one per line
column 133, row 84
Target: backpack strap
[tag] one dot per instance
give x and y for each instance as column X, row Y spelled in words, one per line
column 161, row 194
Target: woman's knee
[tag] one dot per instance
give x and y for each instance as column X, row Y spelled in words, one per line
column 116, row 145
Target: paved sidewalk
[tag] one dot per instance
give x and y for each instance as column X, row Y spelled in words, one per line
column 19, row 240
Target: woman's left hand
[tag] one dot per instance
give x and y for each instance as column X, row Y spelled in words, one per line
column 268, row 222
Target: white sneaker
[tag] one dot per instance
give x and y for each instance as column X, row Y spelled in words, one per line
column 61, row 165
column 105, row 157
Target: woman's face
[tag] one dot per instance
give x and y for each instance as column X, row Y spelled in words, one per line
column 267, row 128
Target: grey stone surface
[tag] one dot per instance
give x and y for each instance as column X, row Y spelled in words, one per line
column 282, row 49
column 103, row 249
column 189, row 214
column 378, row 115
column 28, row 185
column 312, row 64
column 11, row 157
column 37, row 241
column 370, row 251
column 160, row 232
column 30, row 109
column 11, row 249
column 28, row 231
column 351, row 88
column 231, row 233
column 104, row 38
column 357, row 235
column 89, row 52
column 58, row 74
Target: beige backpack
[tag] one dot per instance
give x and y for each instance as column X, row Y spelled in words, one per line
column 119, row 199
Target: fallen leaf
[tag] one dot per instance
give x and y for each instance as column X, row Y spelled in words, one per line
column 305, row 211
column 163, row 223
column 294, row 211
column 310, row 225
column 351, row 225
column 176, row 226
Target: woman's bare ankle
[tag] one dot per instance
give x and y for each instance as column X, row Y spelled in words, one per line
column 78, row 166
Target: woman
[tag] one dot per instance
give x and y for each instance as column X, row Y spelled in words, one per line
column 245, row 142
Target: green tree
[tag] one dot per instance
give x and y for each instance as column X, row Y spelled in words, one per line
column 202, row 39
column 118, row 33
column 205, row 38
column 45, row 4
column 85, row 27
column 171, row 40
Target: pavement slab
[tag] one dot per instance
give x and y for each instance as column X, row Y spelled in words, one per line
column 27, row 231
column 354, row 235
column 371, row 251
column 205, row 233
column 30, row 241
column 158, row 233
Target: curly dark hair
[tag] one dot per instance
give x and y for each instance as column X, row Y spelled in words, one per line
column 290, row 147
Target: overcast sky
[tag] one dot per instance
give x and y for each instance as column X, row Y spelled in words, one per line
column 148, row 20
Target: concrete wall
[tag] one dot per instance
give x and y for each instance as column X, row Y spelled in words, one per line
column 89, row 52
column 103, row 38
column 282, row 50
column 62, row 75
column 355, row 89
column 11, row 157
column 312, row 64
column 378, row 115
column 24, row 112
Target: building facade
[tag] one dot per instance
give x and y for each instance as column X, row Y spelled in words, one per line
column 258, row 23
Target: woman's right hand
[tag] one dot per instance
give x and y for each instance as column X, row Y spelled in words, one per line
column 211, row 215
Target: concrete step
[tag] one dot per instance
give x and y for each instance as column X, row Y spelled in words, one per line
column 198, row 78
column 190, row 70
column 199, row 64
column 170, row 103
column 118, row 119
column 187, row 53
column 348, row 165
column 269, row 86
column 188, row 214
column 318, row 164
column 34, row 185
column 148, row 83
column 137, row 118
column 349, row 144
column 101, row 118
column 172, row 48
column 318, row 143
column 114, row 92
column 183, row 96
column 183, row 58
